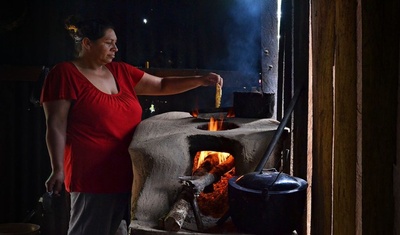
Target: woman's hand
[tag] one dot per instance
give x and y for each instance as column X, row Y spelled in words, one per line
column 55, row 182
column 212, row 79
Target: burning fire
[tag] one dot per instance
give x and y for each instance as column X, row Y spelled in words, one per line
column 213, row 201
column 214, row 124
column 231, row 113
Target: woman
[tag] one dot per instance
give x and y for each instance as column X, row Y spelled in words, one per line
column 91, row 109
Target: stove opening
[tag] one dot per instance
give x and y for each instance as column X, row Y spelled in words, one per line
column 217, row 125
column 213, row 200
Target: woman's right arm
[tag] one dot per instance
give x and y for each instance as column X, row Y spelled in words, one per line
column 56, row 113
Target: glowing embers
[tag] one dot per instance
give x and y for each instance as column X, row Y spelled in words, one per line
column 213, row 200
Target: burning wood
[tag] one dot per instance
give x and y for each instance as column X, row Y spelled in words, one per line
column 209, row 172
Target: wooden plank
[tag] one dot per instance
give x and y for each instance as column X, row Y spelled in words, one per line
column 301, row 115
column 380, row 74
column 323, row 20
column 287, row 88
column 345, row 118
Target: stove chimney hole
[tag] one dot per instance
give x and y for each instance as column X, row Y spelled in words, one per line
column 223, row 126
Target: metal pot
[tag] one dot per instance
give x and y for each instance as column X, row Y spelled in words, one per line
column 270, row 202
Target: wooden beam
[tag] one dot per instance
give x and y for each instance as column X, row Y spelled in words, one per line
column 302, row 112
column 20, row 73
column 323, row 44
column 345, row 117
column 380, row 74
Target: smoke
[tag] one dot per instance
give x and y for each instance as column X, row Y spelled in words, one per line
column 243, row 36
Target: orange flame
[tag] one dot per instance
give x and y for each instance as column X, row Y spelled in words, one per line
column 214, row 124
column 195, row 113
column 231, row 113
column 222, row 156
column 214, row 203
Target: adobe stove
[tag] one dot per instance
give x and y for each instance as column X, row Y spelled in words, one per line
column 166, row 157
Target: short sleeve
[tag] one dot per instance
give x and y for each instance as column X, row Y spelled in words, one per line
column 59, row 84
column 135, row 73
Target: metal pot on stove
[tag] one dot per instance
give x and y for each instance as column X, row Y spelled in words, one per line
column 269, row 202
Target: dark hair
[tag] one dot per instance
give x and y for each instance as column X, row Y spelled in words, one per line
column 78, row 28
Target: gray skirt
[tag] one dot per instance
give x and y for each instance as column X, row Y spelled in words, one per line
column 99, row 214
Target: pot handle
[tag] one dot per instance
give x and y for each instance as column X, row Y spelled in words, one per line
column 285, row 156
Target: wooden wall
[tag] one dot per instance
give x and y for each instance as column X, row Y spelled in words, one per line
column 355, row 75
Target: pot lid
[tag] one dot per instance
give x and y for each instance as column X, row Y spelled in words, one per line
column 269, row 180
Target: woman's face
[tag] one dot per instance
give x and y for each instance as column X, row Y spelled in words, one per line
column 105, row 48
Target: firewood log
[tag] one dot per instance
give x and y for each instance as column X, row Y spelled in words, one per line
column 206, row 175
column 212, row 175
column 207, row 165
column 224, row 167
column 177, row 215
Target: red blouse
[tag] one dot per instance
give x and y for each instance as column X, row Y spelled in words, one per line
column 100, row 127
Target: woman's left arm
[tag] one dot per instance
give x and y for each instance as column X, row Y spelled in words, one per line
column 153, row 85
